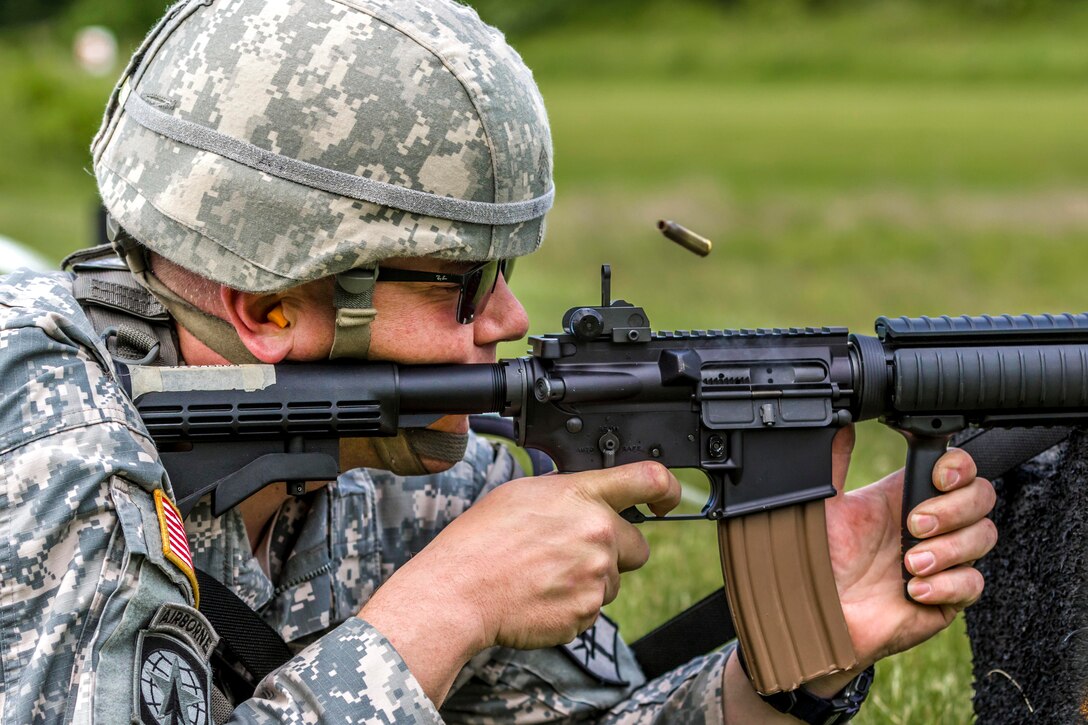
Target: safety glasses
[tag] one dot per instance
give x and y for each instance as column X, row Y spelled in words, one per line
column 476, row 285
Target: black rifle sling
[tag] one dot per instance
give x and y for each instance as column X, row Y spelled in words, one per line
column 999, row 450
column 696, row 630
column 248, row 638
column 707, row 624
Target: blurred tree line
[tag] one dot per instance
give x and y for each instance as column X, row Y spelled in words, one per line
column 130, row 20
column 54, row 108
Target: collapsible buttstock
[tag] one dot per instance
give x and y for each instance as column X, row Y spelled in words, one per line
column 782, row 596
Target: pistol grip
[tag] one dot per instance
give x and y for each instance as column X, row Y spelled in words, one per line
column 923, row 452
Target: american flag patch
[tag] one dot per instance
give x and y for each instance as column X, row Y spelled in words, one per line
column 175, row 545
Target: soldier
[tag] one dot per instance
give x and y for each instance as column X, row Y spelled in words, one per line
column 297, row 180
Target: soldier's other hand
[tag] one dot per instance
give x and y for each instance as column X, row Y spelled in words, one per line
column 864, row 534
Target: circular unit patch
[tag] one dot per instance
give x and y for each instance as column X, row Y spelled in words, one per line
column 172, row 683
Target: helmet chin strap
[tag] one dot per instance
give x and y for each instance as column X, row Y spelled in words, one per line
column 401, row 454
column 215, row 332
column 352, row 299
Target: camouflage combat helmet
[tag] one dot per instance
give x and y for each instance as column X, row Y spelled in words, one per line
column 267, row 143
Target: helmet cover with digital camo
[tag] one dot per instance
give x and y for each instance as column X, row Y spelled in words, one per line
column 268, row 143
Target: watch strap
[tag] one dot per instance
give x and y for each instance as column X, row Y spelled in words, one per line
column 815, row 710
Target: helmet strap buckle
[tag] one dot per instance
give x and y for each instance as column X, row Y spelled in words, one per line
column 353, row 300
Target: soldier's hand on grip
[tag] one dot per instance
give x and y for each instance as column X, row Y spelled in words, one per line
column 863, row 528
column 529, row 565
column 562, row 546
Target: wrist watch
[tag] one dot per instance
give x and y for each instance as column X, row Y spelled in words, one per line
column 809, row 708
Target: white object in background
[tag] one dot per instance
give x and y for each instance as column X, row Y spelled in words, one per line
column 14, row 255
column 95, row 50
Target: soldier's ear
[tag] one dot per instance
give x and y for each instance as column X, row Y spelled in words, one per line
column 265, row 323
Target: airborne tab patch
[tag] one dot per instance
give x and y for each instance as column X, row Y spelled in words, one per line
column 188, row 624
column 175, row 544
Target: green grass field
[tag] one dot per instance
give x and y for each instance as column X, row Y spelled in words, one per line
column 886, row 161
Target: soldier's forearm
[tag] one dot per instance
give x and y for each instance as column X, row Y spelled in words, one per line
column 434, row 633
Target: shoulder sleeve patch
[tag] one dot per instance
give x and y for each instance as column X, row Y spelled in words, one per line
column 175, row 544
column 172, row 682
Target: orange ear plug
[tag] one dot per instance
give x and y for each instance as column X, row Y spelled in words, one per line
column 276, row 316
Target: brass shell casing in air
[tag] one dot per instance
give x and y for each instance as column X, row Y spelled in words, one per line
column 685, row 237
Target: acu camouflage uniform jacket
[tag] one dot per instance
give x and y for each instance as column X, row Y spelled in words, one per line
column 86, row 590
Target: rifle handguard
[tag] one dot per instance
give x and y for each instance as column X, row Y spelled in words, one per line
column 782, row 596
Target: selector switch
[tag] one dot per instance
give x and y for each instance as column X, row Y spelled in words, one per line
column 609, row 444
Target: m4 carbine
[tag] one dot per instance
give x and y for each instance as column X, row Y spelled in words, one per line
column 756, row 410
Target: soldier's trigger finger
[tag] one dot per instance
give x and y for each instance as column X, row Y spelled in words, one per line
column 621, row 487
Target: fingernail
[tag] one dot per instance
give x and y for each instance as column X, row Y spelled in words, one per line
column 918, row 590
column 949, row 478
column 922, row 524
column 921, row 562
